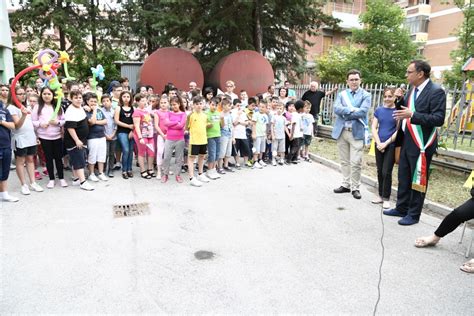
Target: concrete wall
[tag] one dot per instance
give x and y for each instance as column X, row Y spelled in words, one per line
column 6, row 56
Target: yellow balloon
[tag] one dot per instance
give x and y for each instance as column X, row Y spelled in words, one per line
column 35, row 58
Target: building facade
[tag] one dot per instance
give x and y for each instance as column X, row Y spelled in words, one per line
column 433, row 25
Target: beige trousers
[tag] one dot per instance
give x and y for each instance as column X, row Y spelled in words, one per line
column 351, row 153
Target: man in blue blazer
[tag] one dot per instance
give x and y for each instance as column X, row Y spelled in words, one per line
column 350, row 130
column 421, row 111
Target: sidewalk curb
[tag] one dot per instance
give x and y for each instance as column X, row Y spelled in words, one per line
column 434, row 207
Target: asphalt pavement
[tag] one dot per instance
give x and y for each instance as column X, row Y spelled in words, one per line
column 275, row 240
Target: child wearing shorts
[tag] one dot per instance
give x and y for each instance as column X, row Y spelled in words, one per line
column 75, row 139
column 96, row 142
column 197, row 126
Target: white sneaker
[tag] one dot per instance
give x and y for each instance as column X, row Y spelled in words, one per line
column 195, row 182
column 256, row 165
column 50, row 184
column 86, row 186
column 9, row 198
column 203, row 178
column 263, row 164
column 216, row 174
column 210, row 174
column 93, row 178
column 103, row 177
column 25, row 190
column 36, row 187
column 274, row 163
column 76, row 182
column 386, row 204
column 63, row 183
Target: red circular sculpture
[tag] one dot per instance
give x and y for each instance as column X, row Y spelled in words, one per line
column 171, row 64
column 248, row 69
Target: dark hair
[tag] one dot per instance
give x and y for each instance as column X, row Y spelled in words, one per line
column 286, row 94
column 207, row 90
column 235, row 102
column 168, row 87
column 287, row 105
column 299, row 104
column 105, row 96
column 252, row 100
column 123, row 79
column 138, row 97
column 149, row 87
column 272, row 85
column 178, row 100
column 89, row 95
column 422, row 66
column 75, row 93
column 69, row 84
column 225, row 101
column 121, row 100
column 41, row 101
column 197, row 99
column 353, row 72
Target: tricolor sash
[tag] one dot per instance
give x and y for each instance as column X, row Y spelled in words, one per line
column 419, row 180
column 350, row 102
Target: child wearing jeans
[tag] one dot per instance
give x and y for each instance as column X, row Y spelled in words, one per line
column 96, row 142
column 75, row 139
column 226, row 140
column 213, row 139
column 279, row 131
column 307, row 120
column 197, row 126
column 176, row 124
column 143, row 136
column 110, row 134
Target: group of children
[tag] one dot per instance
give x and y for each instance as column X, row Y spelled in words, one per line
column 103, row 134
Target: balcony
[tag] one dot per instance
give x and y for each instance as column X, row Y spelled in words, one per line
column 421, row 9
column 420, row 37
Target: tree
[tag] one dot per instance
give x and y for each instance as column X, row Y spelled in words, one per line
column 333, row 66
column 386, row 47
column 465, row 50
column 75, row 21
column 276, row 28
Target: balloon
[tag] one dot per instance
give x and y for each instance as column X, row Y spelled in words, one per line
column 64, row 59
column 59, row 97
column 15, row 81
column 97, row 72
column 54, row 84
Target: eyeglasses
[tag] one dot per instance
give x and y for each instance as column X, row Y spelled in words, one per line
column 353, row 80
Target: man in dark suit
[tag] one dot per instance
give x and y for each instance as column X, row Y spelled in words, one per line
column 423, row 109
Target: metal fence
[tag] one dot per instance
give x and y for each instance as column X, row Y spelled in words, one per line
column 459, row 123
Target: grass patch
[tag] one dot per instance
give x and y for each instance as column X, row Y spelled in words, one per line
column 445, row 186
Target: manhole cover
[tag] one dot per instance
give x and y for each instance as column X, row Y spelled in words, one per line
column 125, row 210
column 340, row 208
column 204, row 255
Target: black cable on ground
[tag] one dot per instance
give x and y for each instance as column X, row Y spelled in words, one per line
column 381, row 262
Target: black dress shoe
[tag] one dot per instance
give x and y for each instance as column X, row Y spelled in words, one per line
column 356, row 194
column 342, row 189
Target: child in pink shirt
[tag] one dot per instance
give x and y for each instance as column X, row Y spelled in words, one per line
column 160, row 117
column 175, row 124
column 143, row 136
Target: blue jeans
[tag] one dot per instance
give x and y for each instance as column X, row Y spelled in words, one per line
column 127, row 151
column 213, row 149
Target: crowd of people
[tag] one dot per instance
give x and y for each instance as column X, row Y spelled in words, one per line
column 210, row 133
column 95, row 134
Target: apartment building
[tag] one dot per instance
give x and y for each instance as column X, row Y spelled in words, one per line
column 433, row 24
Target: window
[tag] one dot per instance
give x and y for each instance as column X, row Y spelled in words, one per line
column 417, row 24
column 327, row 43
